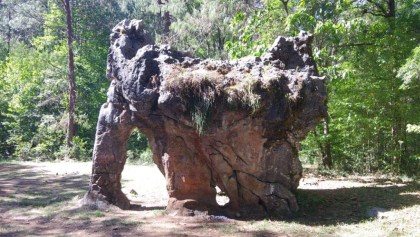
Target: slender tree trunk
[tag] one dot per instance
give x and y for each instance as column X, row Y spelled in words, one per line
column 324, row 146
column 220, row 40
column 72, row 92
column 395, row 98
column 166, row 25
column 9, row 29
column 391, row 8
column 326, row 154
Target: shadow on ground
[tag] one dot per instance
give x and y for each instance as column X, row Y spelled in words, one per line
column 139, row 207
column 22, row 186
column 350, row 205
column 37, row 202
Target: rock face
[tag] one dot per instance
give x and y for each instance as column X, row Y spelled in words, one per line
column 232, row 124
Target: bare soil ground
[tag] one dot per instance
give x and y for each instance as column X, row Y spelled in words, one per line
column 43, row 199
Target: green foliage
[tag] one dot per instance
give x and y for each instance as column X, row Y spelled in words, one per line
column 370, row 58
column 413, row 128
column 363, row 52
column 138, row 150
column 20, row 21
column 79, row 150
column 34, row 82
column 201, row 27
column 309, row 151
column 32, row 91
column 249, row 31
column 409, row 73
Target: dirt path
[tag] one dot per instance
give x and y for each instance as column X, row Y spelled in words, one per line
column 43, row 199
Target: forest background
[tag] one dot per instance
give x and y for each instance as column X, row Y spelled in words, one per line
column 368, row 50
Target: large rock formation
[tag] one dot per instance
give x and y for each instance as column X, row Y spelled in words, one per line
column 232, row 124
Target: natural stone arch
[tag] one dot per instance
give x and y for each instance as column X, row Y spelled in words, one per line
column 235, row 125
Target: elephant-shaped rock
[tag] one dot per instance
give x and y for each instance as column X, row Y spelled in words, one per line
column 231, row 124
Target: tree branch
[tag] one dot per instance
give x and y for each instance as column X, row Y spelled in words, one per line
column 375, row 13
column 285, row 2
column 355, row 45
column 385, row 12
column 381, row 8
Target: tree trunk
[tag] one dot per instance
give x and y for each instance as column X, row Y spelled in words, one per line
column 220, row 40
column 326, row 154
column 72, row 92
column 9, row 29
column 325, row 145
column 166, row 25
column 391, row 9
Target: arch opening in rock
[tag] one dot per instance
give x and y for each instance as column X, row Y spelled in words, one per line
column 221, row 198
column 138, row 150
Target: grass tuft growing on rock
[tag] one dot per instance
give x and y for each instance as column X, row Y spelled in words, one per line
column 203, row 91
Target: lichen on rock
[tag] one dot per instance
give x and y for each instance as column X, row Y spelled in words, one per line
column 232, row 124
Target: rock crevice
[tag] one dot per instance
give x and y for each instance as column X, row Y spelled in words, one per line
column 232, row 124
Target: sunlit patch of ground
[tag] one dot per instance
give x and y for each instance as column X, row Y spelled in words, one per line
column 43, row 199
